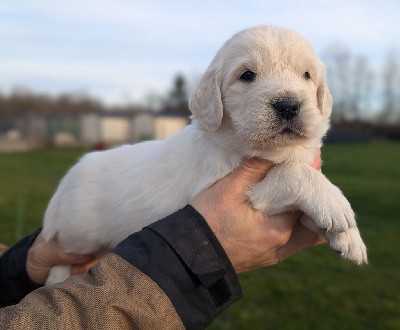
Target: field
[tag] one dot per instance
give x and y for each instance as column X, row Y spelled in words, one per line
column 314, row 289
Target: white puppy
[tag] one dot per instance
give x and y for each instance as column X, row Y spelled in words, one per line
column 264, row 95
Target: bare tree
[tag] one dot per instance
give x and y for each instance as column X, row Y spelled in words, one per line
column 177, row 99
column 350, row 79
column 391, row 81
column 337, row 59
column 362, row 77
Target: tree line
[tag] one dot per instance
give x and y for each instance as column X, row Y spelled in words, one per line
column 363, row 94
column 22, row 100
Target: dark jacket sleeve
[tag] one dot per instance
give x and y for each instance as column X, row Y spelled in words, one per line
column 182, row 255
column 170, row 275
column 14, row 281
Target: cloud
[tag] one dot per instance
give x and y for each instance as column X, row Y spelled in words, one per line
column 134, row 46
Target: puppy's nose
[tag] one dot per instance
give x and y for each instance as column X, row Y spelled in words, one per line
column 286, row 107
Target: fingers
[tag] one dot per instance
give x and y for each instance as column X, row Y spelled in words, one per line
column 283, row 225
column 300, row 239
column 250, row 172
column 83, row 268
column 42, row 256
column 72, row 258
column 317, row 162
column 48, row 254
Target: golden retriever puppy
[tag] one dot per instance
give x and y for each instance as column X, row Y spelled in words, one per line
column 263, row 95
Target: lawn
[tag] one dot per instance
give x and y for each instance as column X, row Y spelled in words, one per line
column 27, row 181
column 315, row 289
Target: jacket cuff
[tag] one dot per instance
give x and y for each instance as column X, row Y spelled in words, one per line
column 182, row 255
column 15, row 283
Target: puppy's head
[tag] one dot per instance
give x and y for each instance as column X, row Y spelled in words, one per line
column 267, row 86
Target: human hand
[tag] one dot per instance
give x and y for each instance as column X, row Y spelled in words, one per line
column 250, row 238
column 42, row 256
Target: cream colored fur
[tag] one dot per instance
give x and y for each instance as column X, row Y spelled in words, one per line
column 109, row 195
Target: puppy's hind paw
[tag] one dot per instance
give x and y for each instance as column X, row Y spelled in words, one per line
column 58, row 274
column 349, row 244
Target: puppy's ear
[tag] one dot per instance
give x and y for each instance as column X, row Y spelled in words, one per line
column 324, row 98
column 206, row 102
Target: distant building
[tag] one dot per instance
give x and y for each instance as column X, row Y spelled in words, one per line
column 157, row 126
column 106, row 127
column 89, row 129
column 167, row 123
column 143, row 126
column 45, row 129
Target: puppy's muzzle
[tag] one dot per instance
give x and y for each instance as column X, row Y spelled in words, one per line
column 286, row 108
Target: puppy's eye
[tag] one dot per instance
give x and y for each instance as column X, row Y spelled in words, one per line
column 248, row 76
column 306, row 75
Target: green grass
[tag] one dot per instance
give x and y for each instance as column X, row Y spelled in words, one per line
column 30, row 179
column 314, row 289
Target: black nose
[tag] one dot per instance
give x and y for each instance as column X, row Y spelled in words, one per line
column 286, row 107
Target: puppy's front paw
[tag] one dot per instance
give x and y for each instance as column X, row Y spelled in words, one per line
column 349, row 244
column 332, row 211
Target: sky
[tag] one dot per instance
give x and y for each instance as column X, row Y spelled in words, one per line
column 122, row 51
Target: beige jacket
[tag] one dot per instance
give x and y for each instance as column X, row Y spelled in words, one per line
column 106, row 298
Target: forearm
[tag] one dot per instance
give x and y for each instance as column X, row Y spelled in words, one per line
column 14, row 280
column 189, row 264
column 173, row 274
column 114, row 294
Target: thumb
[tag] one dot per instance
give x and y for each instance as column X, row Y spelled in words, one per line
column 252, row 171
